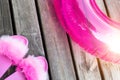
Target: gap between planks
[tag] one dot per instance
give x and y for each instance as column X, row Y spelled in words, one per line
column 57, row 47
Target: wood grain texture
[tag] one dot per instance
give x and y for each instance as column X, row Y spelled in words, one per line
column 87, row 66
column 113, row 9
column 111, row 71
column 26, row 23
column 5, row 18
column 57, row 47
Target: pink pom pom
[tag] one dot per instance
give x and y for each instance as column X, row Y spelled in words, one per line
column 20, row 38
column 34, row 68
column 13, row 48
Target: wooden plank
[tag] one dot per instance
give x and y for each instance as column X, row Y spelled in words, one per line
column 111, row 71
column 5, row 24
column 113, row 9
column 86, row 65
column 5, row 18
column 26, row 23
column 58, row 51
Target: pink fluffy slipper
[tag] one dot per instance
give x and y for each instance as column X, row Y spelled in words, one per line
column 31, row 68
column 12, row 50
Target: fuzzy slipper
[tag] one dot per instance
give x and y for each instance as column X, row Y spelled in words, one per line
column 31, row 68
column 12, row 50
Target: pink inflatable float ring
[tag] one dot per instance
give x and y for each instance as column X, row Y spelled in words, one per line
column 90, row 28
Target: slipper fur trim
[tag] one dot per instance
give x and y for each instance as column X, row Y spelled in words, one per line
column 34, row 68
column 12, row 48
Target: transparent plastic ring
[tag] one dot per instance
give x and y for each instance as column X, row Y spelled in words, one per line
column 90, row 28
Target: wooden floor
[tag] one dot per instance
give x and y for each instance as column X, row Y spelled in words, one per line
column 36, row 20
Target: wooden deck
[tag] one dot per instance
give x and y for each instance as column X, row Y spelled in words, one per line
column 36, row 20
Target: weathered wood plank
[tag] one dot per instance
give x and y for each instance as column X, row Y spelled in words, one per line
column 5, row 24
column 113, row 9
column 58, row 51
column 111, row 71
column 5, row 18
column 87, row 66
column 26, row 23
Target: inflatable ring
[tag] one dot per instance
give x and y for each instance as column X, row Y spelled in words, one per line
column 90, row 28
